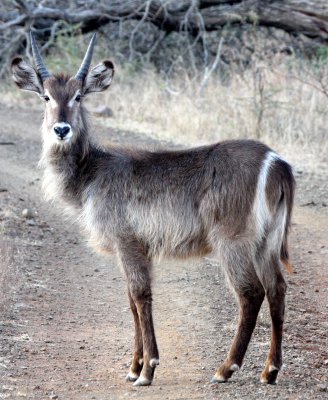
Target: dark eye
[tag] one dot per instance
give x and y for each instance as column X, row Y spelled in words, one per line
column 78, row 98
column 46, row 98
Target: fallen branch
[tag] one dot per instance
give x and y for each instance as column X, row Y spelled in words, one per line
column 193, row 19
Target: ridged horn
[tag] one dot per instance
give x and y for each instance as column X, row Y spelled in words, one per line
column 84, row 68
column 41, row 68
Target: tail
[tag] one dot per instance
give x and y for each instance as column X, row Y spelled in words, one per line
column 284, row 256
column 287, row 197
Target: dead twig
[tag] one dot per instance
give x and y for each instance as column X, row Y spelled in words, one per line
column 209, row 70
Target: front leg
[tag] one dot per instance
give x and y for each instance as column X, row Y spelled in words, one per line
column 137, row 360
column 137, row 266
column 150, row 351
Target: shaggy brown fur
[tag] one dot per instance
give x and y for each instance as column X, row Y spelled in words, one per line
column 233, row 199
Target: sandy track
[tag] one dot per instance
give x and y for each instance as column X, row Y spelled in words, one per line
column 67, row 331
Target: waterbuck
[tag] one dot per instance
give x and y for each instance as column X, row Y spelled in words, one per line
column 232, row 199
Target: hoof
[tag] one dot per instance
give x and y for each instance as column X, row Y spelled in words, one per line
column 223, row 374
column 154, row 362
column 142, row 381
column 234, row 368
column 270, row 377
column 218, row 379
column 131, row 377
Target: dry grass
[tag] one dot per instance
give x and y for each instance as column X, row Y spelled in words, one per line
column 278, row 106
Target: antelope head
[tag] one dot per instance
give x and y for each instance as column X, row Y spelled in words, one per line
column 63, row 95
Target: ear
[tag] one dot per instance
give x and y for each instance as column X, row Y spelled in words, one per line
column 25, row 76
column 99, row 78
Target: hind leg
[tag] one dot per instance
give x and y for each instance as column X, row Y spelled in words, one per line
column 250, row 294
column 275, row 288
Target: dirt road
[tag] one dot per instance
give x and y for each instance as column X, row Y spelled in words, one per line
column 66, row 331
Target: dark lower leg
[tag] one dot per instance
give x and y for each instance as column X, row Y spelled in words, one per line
column 137, row 266
column 249, row 309
column 150, row 351
column 137, row 360
column 277, row 311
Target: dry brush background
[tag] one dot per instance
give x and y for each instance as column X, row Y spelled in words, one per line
column 187, row 73
column 195, row 71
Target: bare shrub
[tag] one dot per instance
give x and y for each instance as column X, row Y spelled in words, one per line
column 147, row 29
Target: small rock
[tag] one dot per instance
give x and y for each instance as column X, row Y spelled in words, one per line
column 323, row 387
column 3, row 190
column 7, row 143
column 310, row 203
column 27, row 213
column 31, row 222
column 103, row 111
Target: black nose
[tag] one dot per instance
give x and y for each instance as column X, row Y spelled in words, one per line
column 61, row 132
